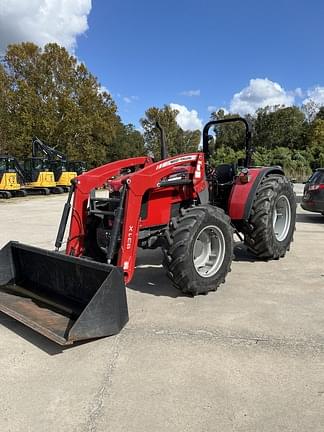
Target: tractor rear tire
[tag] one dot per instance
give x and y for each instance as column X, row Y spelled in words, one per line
column 199, row 249
column 272, row 221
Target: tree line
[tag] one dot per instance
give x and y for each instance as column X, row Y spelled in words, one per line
column 292, row 137
column 46, row 92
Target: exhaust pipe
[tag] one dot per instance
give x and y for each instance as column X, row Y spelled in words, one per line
column 164, row 150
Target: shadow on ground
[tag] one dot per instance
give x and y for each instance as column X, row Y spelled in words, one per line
column 150, row 278
column 241, row 253
column 315, row 218
column 35, row 338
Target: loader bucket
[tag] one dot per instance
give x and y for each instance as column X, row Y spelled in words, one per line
column 64, row 298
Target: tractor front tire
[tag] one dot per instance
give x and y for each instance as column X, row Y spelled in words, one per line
column 199, row 249
column 272, row 221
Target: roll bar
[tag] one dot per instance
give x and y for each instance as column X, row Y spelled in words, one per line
column 248, row 136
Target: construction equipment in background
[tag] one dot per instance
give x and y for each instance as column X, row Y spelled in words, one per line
column 58, row 163
column 33, row 178
column 182, row 204
column 79, row 167
column 38, row 177
column 9, row 182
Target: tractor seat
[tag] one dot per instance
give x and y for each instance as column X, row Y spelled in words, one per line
column 225, row 173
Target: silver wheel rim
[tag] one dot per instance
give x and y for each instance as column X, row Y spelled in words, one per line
column 209, row 251
column 281, row 218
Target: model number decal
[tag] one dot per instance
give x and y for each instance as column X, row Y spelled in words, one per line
column 174, row 161
column 129, row 237
column 198, row 169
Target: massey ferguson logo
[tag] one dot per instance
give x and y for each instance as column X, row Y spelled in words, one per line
column 174, row 161
column 129, row 237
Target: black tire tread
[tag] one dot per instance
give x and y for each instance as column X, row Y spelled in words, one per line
column 180, row 233
column 259, row 236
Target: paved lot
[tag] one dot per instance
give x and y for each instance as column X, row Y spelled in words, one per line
column 247, row 358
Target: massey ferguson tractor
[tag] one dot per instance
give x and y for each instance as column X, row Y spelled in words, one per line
column 181, row 204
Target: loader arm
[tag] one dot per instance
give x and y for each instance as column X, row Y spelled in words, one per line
column 83, row 185
column 149, row 177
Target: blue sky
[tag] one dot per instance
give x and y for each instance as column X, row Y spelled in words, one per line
column 196, row 54
column 156, row 51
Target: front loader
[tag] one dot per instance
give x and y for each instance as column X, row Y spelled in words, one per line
column 182, row 204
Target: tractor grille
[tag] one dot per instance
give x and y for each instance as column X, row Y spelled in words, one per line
column 104, row 206
column 105, row 219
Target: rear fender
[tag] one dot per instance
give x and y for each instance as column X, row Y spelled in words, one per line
column 242, row 195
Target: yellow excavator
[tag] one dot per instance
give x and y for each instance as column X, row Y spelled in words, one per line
column 38, row 176
column 9, row 181
column 57, row 162
column 80, row 167
column 32, row 177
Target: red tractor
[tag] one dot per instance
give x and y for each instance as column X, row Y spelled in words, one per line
column 186, row 207
column 181, row 204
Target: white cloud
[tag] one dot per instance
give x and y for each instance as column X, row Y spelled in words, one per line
column 187, row 120
column 129, row 99
column 315, row 95
column 299, row 92
column 259, row 94
column 43, row 21
column 191, row 93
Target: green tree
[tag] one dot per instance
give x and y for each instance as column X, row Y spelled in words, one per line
column 178, row 141
column 289, row 137
column 280, row 127
column 320, row 114
column 129, row 143
column 4, row 111
column 310, row 110
column 316, row 141
column 229, row 135
column 225, row 154
column 51, row 95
